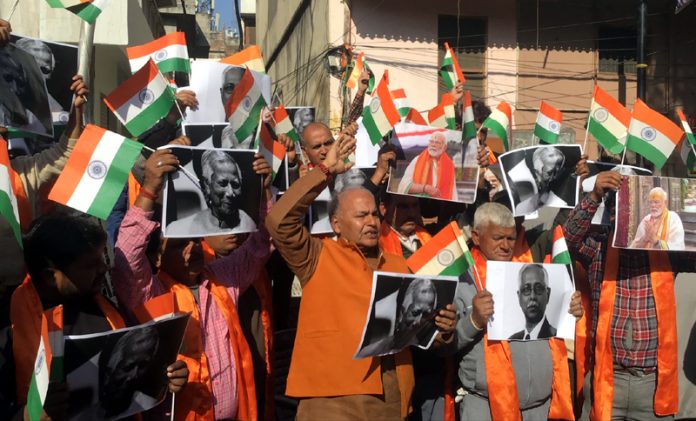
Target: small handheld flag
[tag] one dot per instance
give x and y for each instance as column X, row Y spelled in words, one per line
column 548, row 123
column 687, row 128
column 559, row 250
column 443, row 114
column 272, row 150
column 96, row 172
column 401, row 102
column 445, row 254
column 282, row 124
column 468, row 120
column 168, row 52
column 243, row 109
column 249, row 57
column 353, row 79
column 608, row 121
column 9, row 208
column 449, row 70
column 652, row 135
column 499, row 123
column 142, row 100
column 87, row 10
column 381, row 115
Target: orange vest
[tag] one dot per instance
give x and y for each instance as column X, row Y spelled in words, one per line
column 195, row 402
column 502, row 387
column 26, row 311
column 262, row 286
column 423, row 172
column 583, row 346
column 133, row 189
column 666, row 399
column 335, row 301
column 389, row 240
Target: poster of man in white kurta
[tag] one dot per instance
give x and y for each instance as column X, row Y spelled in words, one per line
column 531, row 301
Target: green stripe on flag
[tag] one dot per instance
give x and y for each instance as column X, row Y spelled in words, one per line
column 371, row 127
column 460, row 265
column 252, row 121
column 115, row 179
column 403, row 111
column 445, row 73
column 176, row 64
column 451, row 123
column 604, row 137
column 690, row 137
column 499, row 130
column 88, row 12
column 152, row 114
column 469, row 130
column 34, row 404
column 648, row 151
column 56, row 374
column 7, row 212
column 56, row 4
column 545, row 135
column 563, row 258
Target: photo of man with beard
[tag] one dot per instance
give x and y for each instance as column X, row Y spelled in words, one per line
column 225, row 192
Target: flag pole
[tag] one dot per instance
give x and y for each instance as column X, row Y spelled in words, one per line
column 623, row 156
column 86, row 49
column 192, row 177
column 171, row 416
column 587, row 134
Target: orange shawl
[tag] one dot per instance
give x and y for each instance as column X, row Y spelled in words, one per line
column 390, row 242
column 26, row 311
column 423, row 172
column 502, row 387
column 666, row 399
column 195, row 401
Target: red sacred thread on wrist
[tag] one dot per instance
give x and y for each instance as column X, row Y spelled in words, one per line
column 148, row 194
column 323, row 168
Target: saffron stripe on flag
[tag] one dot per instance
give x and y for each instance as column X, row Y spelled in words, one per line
column 131, row 87
column 144, row 51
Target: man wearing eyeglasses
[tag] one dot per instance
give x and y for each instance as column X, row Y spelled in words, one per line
column 533, row 295
column 231, row 77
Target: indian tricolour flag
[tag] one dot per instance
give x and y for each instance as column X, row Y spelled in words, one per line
column 40, row 376
column 652, row 135
column 449, row 70
column 687, row 128
column 415, row 117
column 688, row 155
column 548, row 123
column 243, row 109
column 249, row 57
column 559, row 250
column 443, row 114
column 88, row 10
column 499, row 123
column 468, row 120
column 168, row 52
column 142, row 100
column 401, row 101
column 359, row 64
column 273, row 151
column 54, row 321
column 445, row 254
column 608, row 121
column 9, row 208
column 96, row 172
column 282, row 123
column 381, row 115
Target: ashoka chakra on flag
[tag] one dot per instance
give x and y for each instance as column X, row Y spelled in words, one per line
column 96, row 170
column 374, row 105
column 601, row 115
column 648, row 133
column 146, row 96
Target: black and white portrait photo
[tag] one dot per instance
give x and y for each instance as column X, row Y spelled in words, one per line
column 216, row 192
column 214, row 83
column 602, row 217
column 539, row 176
column 118, row 373
column 209, row 135
column 301, row 117
column 319, row 211
column 57, row 63
column 24, row 99
column 531, row 301
column 434, row 163
column 402, row 312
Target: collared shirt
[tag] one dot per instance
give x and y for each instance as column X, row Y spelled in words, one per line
column 135, row 284
column 412, row 243
column 534, row 334
column 634, row 322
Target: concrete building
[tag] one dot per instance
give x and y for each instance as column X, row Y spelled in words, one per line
column 518, row 51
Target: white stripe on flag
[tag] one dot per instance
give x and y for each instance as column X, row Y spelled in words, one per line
column 502, row 119
column 433, row 266
column 610, row 123
column 661, row 142
column 380, row 120
column 88, row 187
column 134, row 106
column 546, row 123
column 170, row 51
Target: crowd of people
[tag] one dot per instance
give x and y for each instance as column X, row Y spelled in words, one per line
column 232, row 363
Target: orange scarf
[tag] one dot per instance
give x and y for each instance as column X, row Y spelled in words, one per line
column 666, row 399
column 502, row 387
column 26, row 311
column 390, row 242
column 262, row 286
column 189, row 403
column 423, row 172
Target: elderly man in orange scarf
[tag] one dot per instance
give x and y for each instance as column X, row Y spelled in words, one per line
column 661, row 229
column 431, row 173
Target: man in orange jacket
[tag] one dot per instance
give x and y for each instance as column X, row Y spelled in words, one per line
column 336, row 276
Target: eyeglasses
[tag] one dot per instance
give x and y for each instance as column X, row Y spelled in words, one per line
column 538, row 289
column 228, row 88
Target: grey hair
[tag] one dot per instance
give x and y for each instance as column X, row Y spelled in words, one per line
column 493, row 213
column 342, row 182
column 659, row 190
column 213, row 156
column 415, row 286
column 534, row 266
column 27, row 43
column 536, row 157
column 336, row 198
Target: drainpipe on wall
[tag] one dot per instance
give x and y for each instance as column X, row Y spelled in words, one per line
column 304, row 5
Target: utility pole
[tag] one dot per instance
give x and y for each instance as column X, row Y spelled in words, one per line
column 641, row 66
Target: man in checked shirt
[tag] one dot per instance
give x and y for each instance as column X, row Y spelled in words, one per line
column 634, row 329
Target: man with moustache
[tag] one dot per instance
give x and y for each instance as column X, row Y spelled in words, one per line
column 431, row 173
column 661, row 229
column 533, row 295
column 336, row 276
